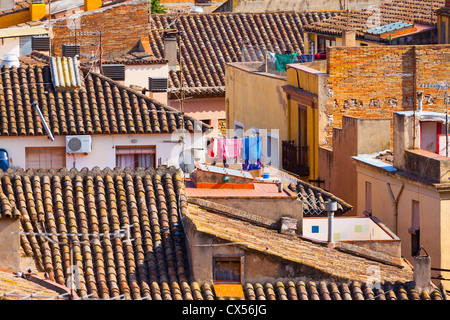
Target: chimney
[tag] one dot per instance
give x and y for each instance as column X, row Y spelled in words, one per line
column 330, row 207
column 38, row 10
column 170, row 49
column 90, row 5
column 422, row 272
column 349, row 38
column 288, row 225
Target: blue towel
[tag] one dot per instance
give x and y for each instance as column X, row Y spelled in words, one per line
column 252, row 149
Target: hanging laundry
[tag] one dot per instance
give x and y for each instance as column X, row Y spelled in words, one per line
column 284, row 59
column 247, row 166
column 213, row 151
column 231, row 148
column 252, row 149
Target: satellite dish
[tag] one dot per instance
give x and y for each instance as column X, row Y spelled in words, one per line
column 187, row 163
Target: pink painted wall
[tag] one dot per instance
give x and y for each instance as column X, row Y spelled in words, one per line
column 204, row 109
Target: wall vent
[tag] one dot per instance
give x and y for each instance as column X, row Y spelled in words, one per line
column 114, row 71
column 40, row 43
column 70, row 50
column 157, row 84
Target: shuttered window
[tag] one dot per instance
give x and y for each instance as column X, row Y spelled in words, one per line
column 45, row 158
column 133, row 157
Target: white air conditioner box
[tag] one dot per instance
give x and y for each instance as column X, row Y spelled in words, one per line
column 78, row 144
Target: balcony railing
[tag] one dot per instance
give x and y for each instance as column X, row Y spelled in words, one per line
column 295, row 158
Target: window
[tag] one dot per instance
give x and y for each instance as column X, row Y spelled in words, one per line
column 368, row 199
column 45, row 158
column 133, row 157
column 238, row 129
column 227, row 269
column 415, row 228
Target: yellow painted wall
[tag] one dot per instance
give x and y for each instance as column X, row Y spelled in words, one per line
column 37, row 11
column 309, row 82
column 256, row 100
column 434, row 210
column 14, row 18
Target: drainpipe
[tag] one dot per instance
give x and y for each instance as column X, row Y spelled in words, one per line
column 395, row 201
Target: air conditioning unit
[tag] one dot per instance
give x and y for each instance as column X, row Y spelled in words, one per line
column 78, row 144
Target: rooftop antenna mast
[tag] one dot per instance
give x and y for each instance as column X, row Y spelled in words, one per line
column 44, row 123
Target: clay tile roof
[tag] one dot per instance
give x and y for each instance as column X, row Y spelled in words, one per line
column 135, row 57
column 81, row 111
column 154, row 264
column 209, row 41
column 85, row 202
column 389, row 12
column 332, row 262
column 314, row 198
column 330, row 290
column 13, row 287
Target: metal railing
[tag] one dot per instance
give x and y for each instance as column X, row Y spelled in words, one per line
column 295, row 158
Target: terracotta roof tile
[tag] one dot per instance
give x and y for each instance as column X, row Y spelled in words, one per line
column 84, row 111
column 389, row 12
column 154, row 264
column 209, row 41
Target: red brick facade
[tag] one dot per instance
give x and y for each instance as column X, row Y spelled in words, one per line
column 373, row 82
column 121, row 25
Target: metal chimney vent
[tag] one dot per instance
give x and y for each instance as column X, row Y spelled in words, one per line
column 114, row 71
column 70, row 50
column 40, row 43
column 157, row 84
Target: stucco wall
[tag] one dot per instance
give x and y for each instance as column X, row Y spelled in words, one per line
column 256, row 100
column 433, row 206
column 204, row 109
column 269, row 208
column 103, row 152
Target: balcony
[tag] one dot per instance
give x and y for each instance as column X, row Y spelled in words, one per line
column 295, row 158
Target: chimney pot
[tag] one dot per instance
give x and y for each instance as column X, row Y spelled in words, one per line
column 288, row 225
column 422, row 273
column 349, row 38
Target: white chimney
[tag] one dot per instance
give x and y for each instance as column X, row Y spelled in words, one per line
column 422, row 273
column 170, row 49
column 330, row 207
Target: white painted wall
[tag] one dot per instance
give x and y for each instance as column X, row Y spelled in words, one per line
column 138, row 75
column 103, row 152
column 345, row 229
column 9, row 45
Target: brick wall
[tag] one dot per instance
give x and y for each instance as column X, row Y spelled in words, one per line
column 121, row 25
column 373, row 82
